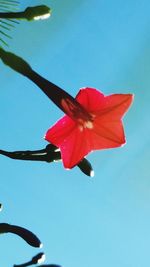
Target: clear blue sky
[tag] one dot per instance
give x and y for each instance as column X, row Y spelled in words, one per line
column 82, row 222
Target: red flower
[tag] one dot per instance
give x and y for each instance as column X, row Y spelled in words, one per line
column 98, row 127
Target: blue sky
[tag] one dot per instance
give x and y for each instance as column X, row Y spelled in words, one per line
column 83, row 222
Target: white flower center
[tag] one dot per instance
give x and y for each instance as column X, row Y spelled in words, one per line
column 85, row 124
column 88, row 124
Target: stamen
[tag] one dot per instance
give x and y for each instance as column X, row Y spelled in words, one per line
column 85, row 124
column 88, row 124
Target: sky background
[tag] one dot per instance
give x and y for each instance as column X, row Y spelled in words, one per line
column 82, row 221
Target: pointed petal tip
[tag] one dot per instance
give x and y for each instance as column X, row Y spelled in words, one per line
column 130, row 98
column 123, row 142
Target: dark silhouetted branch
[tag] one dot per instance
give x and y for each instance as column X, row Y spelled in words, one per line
column 49, row 154
column 27, row 235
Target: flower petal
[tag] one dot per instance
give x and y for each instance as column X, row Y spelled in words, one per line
column 108, row 129
column 107, row 135
column 93, row 100
column 105, row 131
column 71, row 140
column 74, row 148
column 90, row 98
column 115, row 106
column 60, row 130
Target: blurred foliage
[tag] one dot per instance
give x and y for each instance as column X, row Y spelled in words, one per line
column 9, row 17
